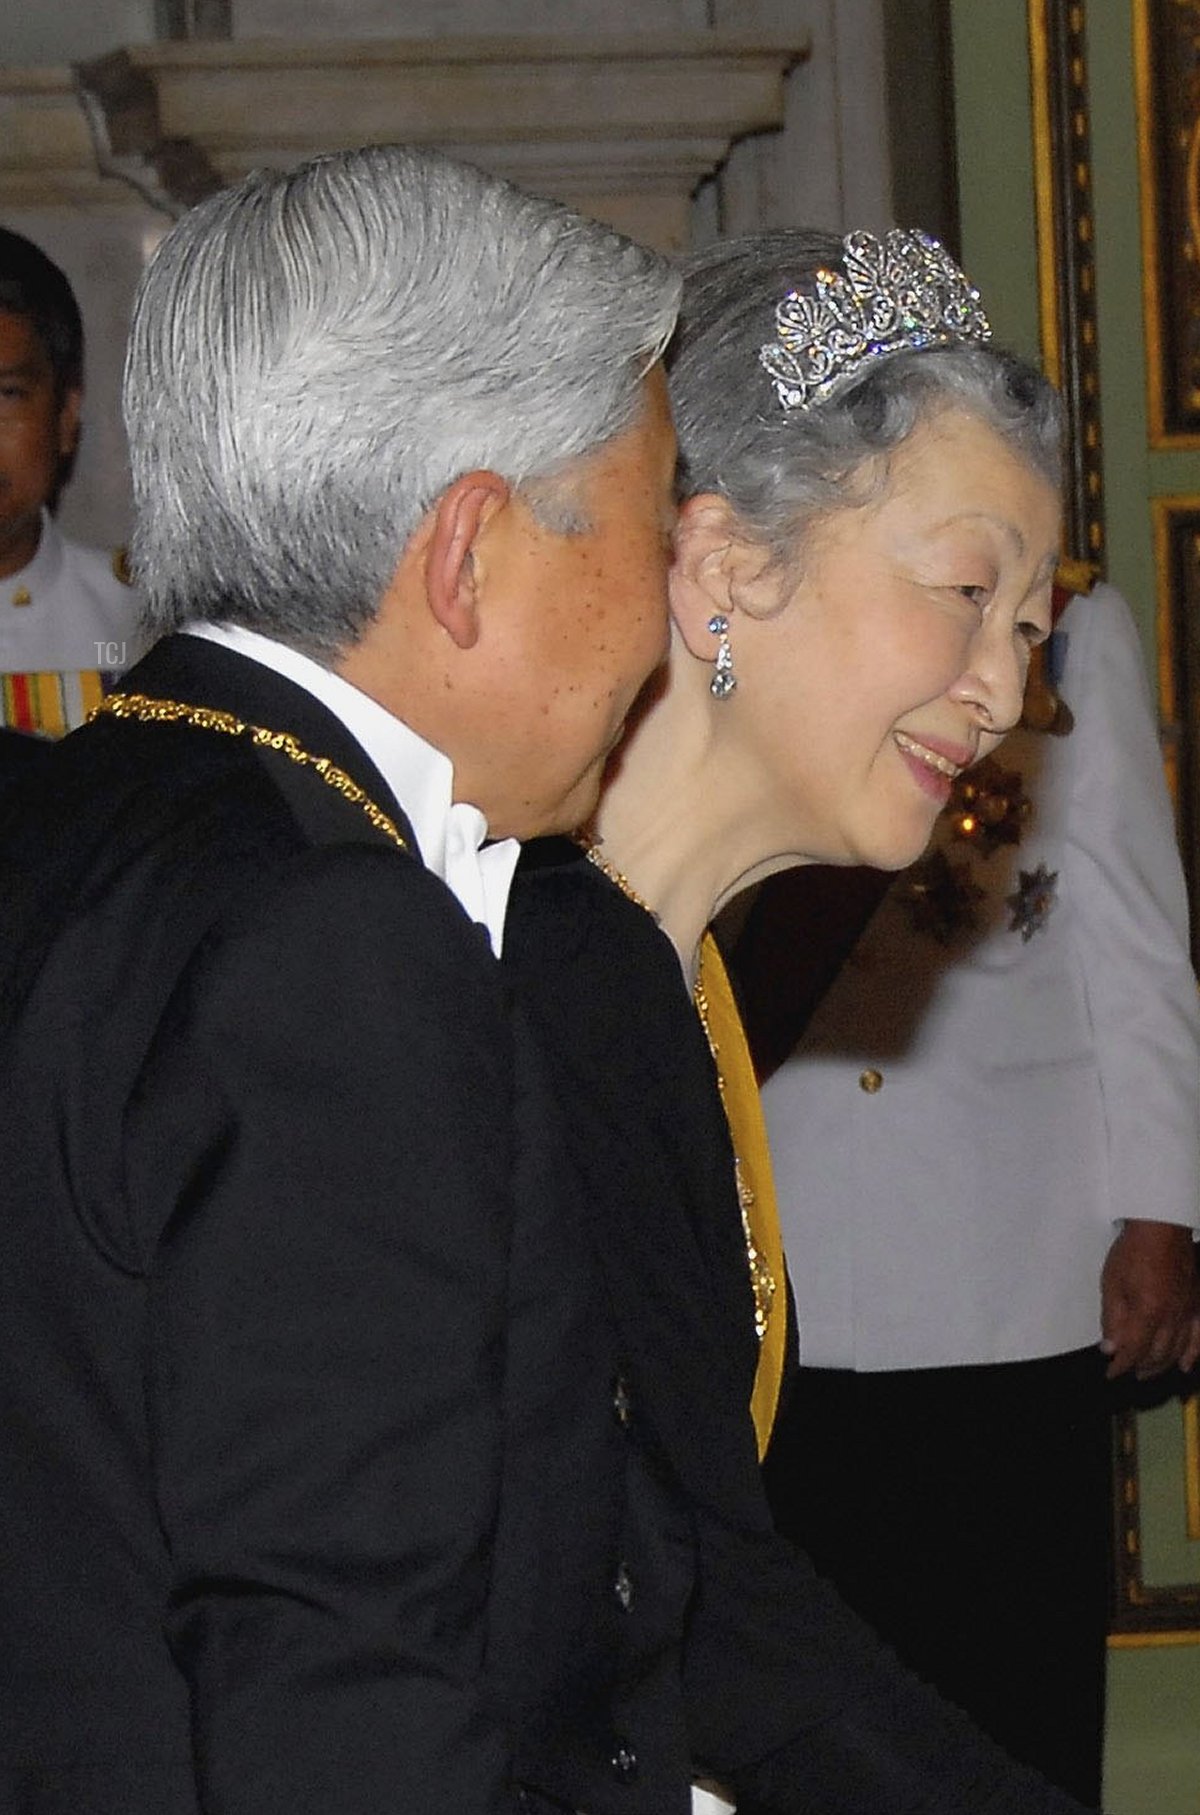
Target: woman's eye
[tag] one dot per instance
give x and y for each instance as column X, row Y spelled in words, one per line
column 1031, row 634
column 976, row 594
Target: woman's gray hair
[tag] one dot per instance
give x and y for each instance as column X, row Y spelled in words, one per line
column 783, row 470
column 317, row 354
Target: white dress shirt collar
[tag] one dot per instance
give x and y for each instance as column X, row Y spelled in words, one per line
column 449, row 834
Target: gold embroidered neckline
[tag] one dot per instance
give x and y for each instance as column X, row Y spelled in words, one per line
column 148, row 710
column 762, row 1280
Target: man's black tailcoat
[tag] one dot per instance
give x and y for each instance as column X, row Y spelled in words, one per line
column 307, row 1451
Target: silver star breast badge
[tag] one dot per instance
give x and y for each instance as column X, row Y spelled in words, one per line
column 1032, row 901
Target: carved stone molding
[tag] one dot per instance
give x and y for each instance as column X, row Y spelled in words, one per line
column 624, row 127
column 45, row 147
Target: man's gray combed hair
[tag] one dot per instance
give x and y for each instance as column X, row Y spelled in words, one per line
column 317, row 354
column 783, row 470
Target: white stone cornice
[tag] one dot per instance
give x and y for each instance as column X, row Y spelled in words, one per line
column 232, row 95
column 45, row 147
column 625, row 126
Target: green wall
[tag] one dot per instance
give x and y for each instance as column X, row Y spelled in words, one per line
column 1153, row 1757
column 995, row 164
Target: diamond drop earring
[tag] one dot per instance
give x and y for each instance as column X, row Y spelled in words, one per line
column 724, row 680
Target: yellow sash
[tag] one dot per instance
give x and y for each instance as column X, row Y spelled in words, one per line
column 743, row 1108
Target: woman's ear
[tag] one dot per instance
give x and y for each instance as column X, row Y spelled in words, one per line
column 452, row 533
column 714, row 571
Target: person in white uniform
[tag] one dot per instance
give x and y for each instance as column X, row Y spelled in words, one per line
column 67, row 612
column 987, row 1158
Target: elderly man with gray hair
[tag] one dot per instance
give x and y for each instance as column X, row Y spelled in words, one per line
column 297, row 1326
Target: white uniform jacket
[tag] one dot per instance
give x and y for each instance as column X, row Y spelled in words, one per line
column 66, row 614
column 965, row 1124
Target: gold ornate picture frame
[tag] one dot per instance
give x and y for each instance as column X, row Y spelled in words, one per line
column 1157, row 1526
column 1176, row 521
column 1167, row 71
column 1156, row 1576
column 1066, row 258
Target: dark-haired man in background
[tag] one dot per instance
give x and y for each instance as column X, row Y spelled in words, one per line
column 67, row 612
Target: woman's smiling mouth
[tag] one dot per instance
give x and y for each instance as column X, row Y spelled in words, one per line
column 932, row 759
column 933, row 770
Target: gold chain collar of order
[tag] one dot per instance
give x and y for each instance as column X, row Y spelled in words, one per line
column 762, row 1280
column 147, row 710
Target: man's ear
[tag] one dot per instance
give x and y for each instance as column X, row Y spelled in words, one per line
column 453, row 531
column 713, row 566
column 68, row 422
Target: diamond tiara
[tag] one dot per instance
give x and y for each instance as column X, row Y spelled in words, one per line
column 899, row 294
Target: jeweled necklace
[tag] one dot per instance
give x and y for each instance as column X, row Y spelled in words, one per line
column 762, row 1280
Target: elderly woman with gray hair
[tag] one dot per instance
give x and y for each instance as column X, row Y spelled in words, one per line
column 864, row 562
column 864, row 559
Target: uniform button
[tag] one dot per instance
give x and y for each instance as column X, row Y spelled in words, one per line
column 870, row 1081
column 623, row 1587
column 624, row 1762
column 622, row 1404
